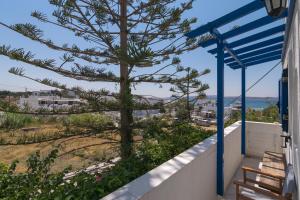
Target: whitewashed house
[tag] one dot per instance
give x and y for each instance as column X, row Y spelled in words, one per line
column 48, row 100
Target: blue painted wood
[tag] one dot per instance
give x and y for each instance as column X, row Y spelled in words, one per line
column 257, row 52
column 284, row 100
column 279, row 97
column 259, row 45
column 254, row 37
column 258, row 62
column 220, row 119
column 253, row 25
column 245, row 28
column 218, row 35
column 243, row 136
column 241, row 12
column 252, row 61
column 258, row 36
column 259, row 57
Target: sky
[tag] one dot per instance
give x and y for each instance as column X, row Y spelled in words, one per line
column 18, row 11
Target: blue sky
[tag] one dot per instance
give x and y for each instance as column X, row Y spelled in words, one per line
column 18, row 11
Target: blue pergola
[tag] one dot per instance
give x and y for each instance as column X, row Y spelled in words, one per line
column 260, row 47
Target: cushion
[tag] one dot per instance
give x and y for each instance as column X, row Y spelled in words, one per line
column 253, row 195
column 289, row 184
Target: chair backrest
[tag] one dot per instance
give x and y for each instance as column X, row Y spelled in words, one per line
column 289, row 184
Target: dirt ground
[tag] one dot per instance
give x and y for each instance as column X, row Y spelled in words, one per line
column 76, row 151
column 210, row 128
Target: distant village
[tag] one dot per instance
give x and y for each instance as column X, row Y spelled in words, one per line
column 204, row 112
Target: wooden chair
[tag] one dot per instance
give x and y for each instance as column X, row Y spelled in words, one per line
column 277, row 185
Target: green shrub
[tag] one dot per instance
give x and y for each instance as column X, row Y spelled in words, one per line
column 90, row 121
column 151, row 153
column 269, row 114
column 12, row 121
column 39, row 183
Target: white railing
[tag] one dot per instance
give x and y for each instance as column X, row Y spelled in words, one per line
column 192, row 174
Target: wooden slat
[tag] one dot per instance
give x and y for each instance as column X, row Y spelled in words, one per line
column 273, row 163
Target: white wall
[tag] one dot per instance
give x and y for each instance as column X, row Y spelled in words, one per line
column 188, row 176
column 292, row 62
column 261, row 137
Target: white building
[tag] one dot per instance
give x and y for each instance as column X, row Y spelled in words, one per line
column 48, row 100
column 291, row 62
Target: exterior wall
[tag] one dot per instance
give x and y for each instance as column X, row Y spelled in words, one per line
column 292, row 62
column 261, row 137
column 33, row 102
column 190, row 175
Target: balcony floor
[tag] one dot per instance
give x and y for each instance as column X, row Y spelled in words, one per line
column 247, row 161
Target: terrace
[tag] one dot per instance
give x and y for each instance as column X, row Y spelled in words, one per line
column 192, row 174
column 207, row 170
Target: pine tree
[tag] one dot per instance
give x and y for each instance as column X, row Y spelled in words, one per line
column 121, row 33
column 190, row 88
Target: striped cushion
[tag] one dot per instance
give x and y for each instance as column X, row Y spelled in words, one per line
column 254, row 195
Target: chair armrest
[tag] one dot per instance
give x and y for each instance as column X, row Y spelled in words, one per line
column 249, row 169
column 257, row 189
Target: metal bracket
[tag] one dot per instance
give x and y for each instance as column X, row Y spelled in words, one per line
column 287, row 138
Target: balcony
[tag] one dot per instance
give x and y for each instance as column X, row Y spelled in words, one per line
column 193, row 175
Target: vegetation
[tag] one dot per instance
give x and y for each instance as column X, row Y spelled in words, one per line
column 10, row 121
column 6, row 106
column 269, row 114
column 192, row 89
column 39, row 183
column 129, row 35
column 62, row 127
column 95, row 122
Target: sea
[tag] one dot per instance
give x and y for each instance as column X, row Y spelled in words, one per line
column 257, row 103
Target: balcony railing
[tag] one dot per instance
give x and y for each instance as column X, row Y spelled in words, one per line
column 192, row 174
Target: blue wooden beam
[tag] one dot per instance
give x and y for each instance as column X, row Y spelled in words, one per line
column 253, row 25
column 243, row 132
column 258, row 57
column 245, row 28
column 257, row 52
column 257, row 46
column 254, row 37
column 241, row 12
column 258, row 36
column 278, row 57
column 218, row 35
column 220, row 118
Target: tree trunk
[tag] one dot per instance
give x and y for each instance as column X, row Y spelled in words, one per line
column 125, row 92
column 188, row 109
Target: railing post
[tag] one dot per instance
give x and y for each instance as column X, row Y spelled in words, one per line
column 220, row 118
column 243, row 136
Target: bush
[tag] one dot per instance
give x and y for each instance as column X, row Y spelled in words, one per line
column 269, row 114
column 39, row 183
column 90, row 121
column 12, row 121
